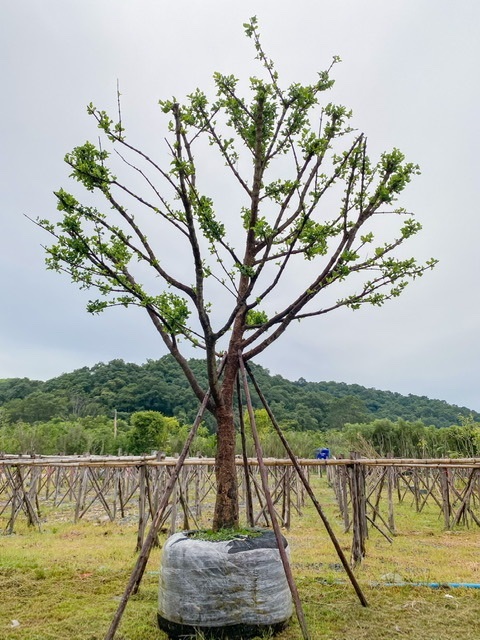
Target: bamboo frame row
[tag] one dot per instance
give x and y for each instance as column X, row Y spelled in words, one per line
column 364, row 493
column 155, row 460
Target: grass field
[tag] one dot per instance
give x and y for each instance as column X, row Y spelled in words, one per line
column 64, row 583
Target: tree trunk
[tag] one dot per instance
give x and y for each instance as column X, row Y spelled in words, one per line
column 226, row 504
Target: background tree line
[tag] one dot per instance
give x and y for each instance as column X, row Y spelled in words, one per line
column 159, row 385
column 148, row 431
column 74, row 413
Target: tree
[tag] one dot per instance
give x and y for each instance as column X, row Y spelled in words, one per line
column 37, row 406
column 346, row 409
column 286, row 156
column 150, row 429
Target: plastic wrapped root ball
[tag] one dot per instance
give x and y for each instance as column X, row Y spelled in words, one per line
column 228, row 589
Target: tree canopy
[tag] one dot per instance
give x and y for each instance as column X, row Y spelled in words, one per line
column 304, row 232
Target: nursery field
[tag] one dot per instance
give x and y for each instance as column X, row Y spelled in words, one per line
column 65, row 581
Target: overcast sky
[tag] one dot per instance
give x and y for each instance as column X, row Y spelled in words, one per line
column 410, row 74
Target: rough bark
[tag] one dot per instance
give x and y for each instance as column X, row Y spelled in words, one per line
column 226, row 504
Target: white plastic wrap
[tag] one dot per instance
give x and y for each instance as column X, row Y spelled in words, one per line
column 217, row 584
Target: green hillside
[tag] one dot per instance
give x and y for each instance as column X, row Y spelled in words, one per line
column 159, row 385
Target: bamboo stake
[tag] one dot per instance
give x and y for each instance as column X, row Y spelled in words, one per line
column 173, row 514
column 465, row 500
column 248, row 489
column 14, row 486
column 346, row 514
column 358, row 513
column 139, row 569
column 391, row 514
column 445, row 498
column 268, row 499
column 309, row 490
column 141, row 509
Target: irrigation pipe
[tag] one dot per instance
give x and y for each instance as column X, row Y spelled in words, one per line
column 432, row 585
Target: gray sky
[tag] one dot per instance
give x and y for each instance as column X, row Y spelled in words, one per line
column 410, row 74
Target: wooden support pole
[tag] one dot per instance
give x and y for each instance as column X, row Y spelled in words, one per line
column 14, row 485
column 139, row 569
column 444, row 484
column 359, row 515
column 390, row 486
column 286, row 502
column 376, row 506
column 268, row 498
column 346, row 513
column 20, row 500
column 464, row 507
column 309, row 490
column 246, row 471
column 173, row 514
column 141, row 508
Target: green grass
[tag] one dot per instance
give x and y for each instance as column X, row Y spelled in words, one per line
column 223, row 535
column 64, row 583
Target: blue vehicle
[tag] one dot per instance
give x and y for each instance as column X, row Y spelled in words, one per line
column 322, row 454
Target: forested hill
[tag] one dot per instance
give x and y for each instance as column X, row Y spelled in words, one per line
column 159, row 385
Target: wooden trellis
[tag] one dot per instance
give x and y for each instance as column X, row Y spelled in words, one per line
column 129, row 487
column 364, row 487
column 166, row 493
column 113, row 488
